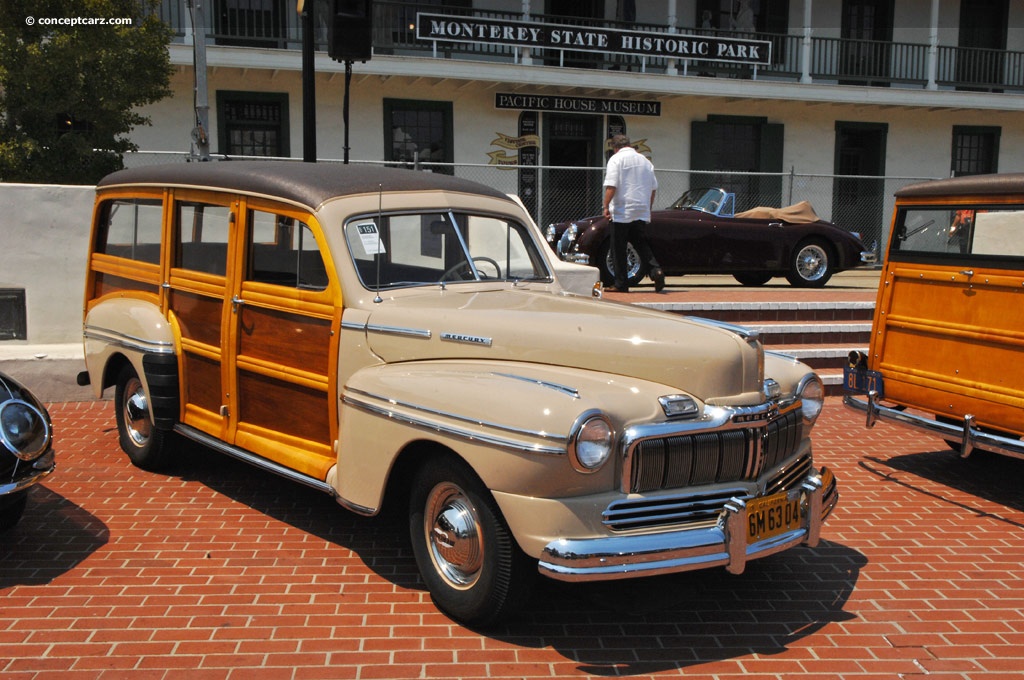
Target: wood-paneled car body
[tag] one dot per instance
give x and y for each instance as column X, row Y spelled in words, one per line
column 700, row 233
column 390, row 336
column 947, row 341
column 26, row 448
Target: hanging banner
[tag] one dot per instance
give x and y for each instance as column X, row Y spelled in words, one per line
column 444, row 28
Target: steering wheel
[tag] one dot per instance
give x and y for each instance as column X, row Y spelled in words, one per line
column 461, row 270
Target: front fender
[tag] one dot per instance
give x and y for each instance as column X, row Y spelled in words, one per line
column 510, row 421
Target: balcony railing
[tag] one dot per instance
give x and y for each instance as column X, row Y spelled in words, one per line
column 275, row 24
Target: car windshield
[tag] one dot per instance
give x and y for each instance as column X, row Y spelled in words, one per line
column 705, row 200
column 415, row 249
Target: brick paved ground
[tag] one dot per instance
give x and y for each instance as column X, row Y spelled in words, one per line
column 222, row 571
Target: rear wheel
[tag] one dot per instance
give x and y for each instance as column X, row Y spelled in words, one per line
column 146, row 445
column 466, row 554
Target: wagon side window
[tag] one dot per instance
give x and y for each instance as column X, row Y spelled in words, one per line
column 131, row 228
column 987, row 232
column 283, row 251
column 202, row 237
column 999, row 232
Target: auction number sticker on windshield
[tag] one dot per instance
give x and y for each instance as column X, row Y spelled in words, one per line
column 772, row 515
column 370, row 237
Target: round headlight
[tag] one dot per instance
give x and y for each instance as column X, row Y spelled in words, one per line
column 24, row 429
column 591, row 442
column 812, row 392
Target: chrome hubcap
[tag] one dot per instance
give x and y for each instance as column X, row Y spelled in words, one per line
column 453, row 535
column 136, row 413
column 812, row 263
column 632, row 262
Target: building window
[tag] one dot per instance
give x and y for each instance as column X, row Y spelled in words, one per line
column 975, row 150
column 730, row 151
column 418, row 132
column 253, row 123
column 250, row 23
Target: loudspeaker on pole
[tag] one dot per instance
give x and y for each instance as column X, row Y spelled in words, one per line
column 350, row 30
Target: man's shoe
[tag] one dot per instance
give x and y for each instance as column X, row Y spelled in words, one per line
column 658, row 276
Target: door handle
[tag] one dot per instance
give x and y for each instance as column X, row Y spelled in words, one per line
column 235, row 302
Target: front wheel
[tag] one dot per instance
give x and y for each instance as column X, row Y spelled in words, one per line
column 466, row 554
column 811, row 264
column 752, row 278
column 146, row 446
column 635, row 269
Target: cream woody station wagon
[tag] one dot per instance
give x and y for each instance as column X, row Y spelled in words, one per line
column 380, row 333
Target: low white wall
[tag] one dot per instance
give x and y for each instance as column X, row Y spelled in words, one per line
column 44, row 235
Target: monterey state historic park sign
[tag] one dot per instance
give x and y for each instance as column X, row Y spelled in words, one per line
column 445, row 28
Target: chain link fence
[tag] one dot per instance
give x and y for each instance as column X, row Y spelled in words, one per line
column 554, row 194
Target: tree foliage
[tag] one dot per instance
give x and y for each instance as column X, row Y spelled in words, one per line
column 70, row 92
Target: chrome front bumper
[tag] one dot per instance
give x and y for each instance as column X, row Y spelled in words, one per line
column 619, row 557
column 41, row 469
column 965, row 434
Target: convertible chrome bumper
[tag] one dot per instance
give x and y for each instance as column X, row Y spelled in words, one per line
column 964, row 434
column 41, row 468
column 619, row 557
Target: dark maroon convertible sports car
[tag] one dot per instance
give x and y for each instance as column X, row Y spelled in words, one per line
column 701, row 234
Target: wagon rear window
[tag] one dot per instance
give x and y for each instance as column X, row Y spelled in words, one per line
column 131, row 228
column 983, row 232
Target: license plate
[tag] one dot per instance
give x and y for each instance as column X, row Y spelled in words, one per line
column 772, row 515
column 862, row 381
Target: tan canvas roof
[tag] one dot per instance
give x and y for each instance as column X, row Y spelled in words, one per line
column 798, row 213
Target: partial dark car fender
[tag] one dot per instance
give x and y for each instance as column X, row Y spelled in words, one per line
column 26, row 448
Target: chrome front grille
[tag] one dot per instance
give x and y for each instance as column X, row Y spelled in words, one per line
column 710, row 457
column 698, row 505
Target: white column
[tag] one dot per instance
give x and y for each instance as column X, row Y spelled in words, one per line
column 524, row 53
column 806, row 45
column 671, row 19
column 933, row 48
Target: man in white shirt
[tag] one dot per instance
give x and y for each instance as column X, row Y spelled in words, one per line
column 629, row 189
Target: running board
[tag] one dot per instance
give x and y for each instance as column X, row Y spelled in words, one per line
column 257, row 461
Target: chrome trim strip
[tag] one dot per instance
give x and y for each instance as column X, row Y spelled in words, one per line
column 619, row 557
column 748, row 334
column 466, row 434
column 565, row 389
column 29, row 480
column 353, row 326
column 966, row 435
column 127, row 341
column 253, row 459
column 398, row 330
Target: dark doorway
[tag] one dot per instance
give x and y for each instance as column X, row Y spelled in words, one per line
column 866, row 44
column 572, row 186
column 728, row 149
column 859, row 190
column 979, row 62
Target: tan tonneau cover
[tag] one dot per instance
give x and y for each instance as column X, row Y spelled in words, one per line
column 798, row 213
